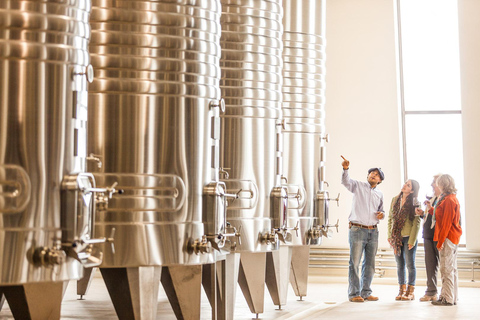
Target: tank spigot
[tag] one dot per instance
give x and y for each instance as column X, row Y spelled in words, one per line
column 337, row 199
column 232, row 232
column 111, row 240
column 96, row 158
column 199, row 246
column 218, row 240
column 270, row 237
column 224, row 172
column 102, row 195
column 314, row 233
column 318, row 231
column 326, row 228
column 44, row 256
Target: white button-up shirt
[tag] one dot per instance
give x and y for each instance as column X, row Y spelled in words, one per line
column 367, row 201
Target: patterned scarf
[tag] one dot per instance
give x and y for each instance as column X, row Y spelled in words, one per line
column 399, row 217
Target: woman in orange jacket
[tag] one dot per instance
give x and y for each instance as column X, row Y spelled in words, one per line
column 446, row 216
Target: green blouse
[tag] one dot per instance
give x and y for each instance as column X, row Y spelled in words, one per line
column 410, row 228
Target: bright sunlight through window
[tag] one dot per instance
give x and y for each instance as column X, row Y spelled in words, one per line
column 431, row 108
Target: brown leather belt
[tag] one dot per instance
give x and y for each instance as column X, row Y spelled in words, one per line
column 351, row 224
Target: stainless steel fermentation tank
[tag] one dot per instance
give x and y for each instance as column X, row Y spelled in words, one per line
column 154, row 124
column 251, row 149
column 304, row 133
column 46, row 198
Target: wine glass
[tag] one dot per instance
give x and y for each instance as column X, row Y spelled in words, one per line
column 428, row 197
column 416, row 205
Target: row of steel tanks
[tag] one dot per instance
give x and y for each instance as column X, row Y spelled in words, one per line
column 207, row 116
column 47, row 199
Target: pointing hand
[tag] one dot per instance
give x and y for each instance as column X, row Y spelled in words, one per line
column 345, row 163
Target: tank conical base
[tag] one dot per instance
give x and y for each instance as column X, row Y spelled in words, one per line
column 299, row 271
column 84, row 283
column 251, row 279
column 35, row 301
column 278, row 274
column 183, row 286
column 220, row 281
column 134, row 291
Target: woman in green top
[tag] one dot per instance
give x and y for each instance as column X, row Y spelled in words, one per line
column 403, row 227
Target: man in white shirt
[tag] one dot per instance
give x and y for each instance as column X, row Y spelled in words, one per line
column 367, row 211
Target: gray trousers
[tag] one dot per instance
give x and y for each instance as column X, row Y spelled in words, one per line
column 448, row 269
column 431, row 265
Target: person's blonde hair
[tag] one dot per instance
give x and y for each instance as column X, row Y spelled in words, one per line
column 447, row 183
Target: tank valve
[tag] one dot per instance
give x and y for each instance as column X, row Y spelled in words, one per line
column 103, row 194
column 314, row 233
column 284, row 233
column 95, row 158
column 318, row 231
column 219, row 240
column 326, row 229
column 44, row 256
column 199, row 246
column 270, row 237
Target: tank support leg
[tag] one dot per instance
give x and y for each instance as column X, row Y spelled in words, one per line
column 84, row 283
column 134, row 291
column 35, row 301
column 299, row 271
column 278, row 274
column 251, row 279
column 226, row 277
column 183, row 286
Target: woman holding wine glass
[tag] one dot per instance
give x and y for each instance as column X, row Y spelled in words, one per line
column 432, row 257
column 403, row 227
column 448, row 230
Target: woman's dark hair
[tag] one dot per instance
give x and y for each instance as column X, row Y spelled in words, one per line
column 411, row 199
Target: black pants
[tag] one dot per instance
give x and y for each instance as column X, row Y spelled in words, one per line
column 431, row 265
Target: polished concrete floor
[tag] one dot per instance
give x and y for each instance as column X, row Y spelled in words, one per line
column 326, row 299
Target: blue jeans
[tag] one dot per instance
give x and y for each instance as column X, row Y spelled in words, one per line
column 407, row 257
column 362, row 242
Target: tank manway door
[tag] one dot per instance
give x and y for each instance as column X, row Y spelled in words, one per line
column 219, row 234
column 79, row 200
column 322, row 227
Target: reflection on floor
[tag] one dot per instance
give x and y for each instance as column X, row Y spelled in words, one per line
column 326, row 300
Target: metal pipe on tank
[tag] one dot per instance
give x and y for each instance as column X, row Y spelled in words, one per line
column 46, row 197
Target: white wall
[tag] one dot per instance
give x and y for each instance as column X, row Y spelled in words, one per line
column 362, row 108
column 469, row 26
column 362, row 114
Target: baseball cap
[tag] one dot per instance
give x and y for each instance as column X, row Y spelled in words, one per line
column 380, row 172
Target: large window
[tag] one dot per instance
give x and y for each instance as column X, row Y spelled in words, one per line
column 430, row 78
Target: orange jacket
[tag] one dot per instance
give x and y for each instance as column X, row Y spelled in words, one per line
column 447, row 221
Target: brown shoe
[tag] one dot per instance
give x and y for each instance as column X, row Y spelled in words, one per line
column 371, row 298
column 401, row 292
column 356, row 299
column 429, row 298
column 409, row 294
